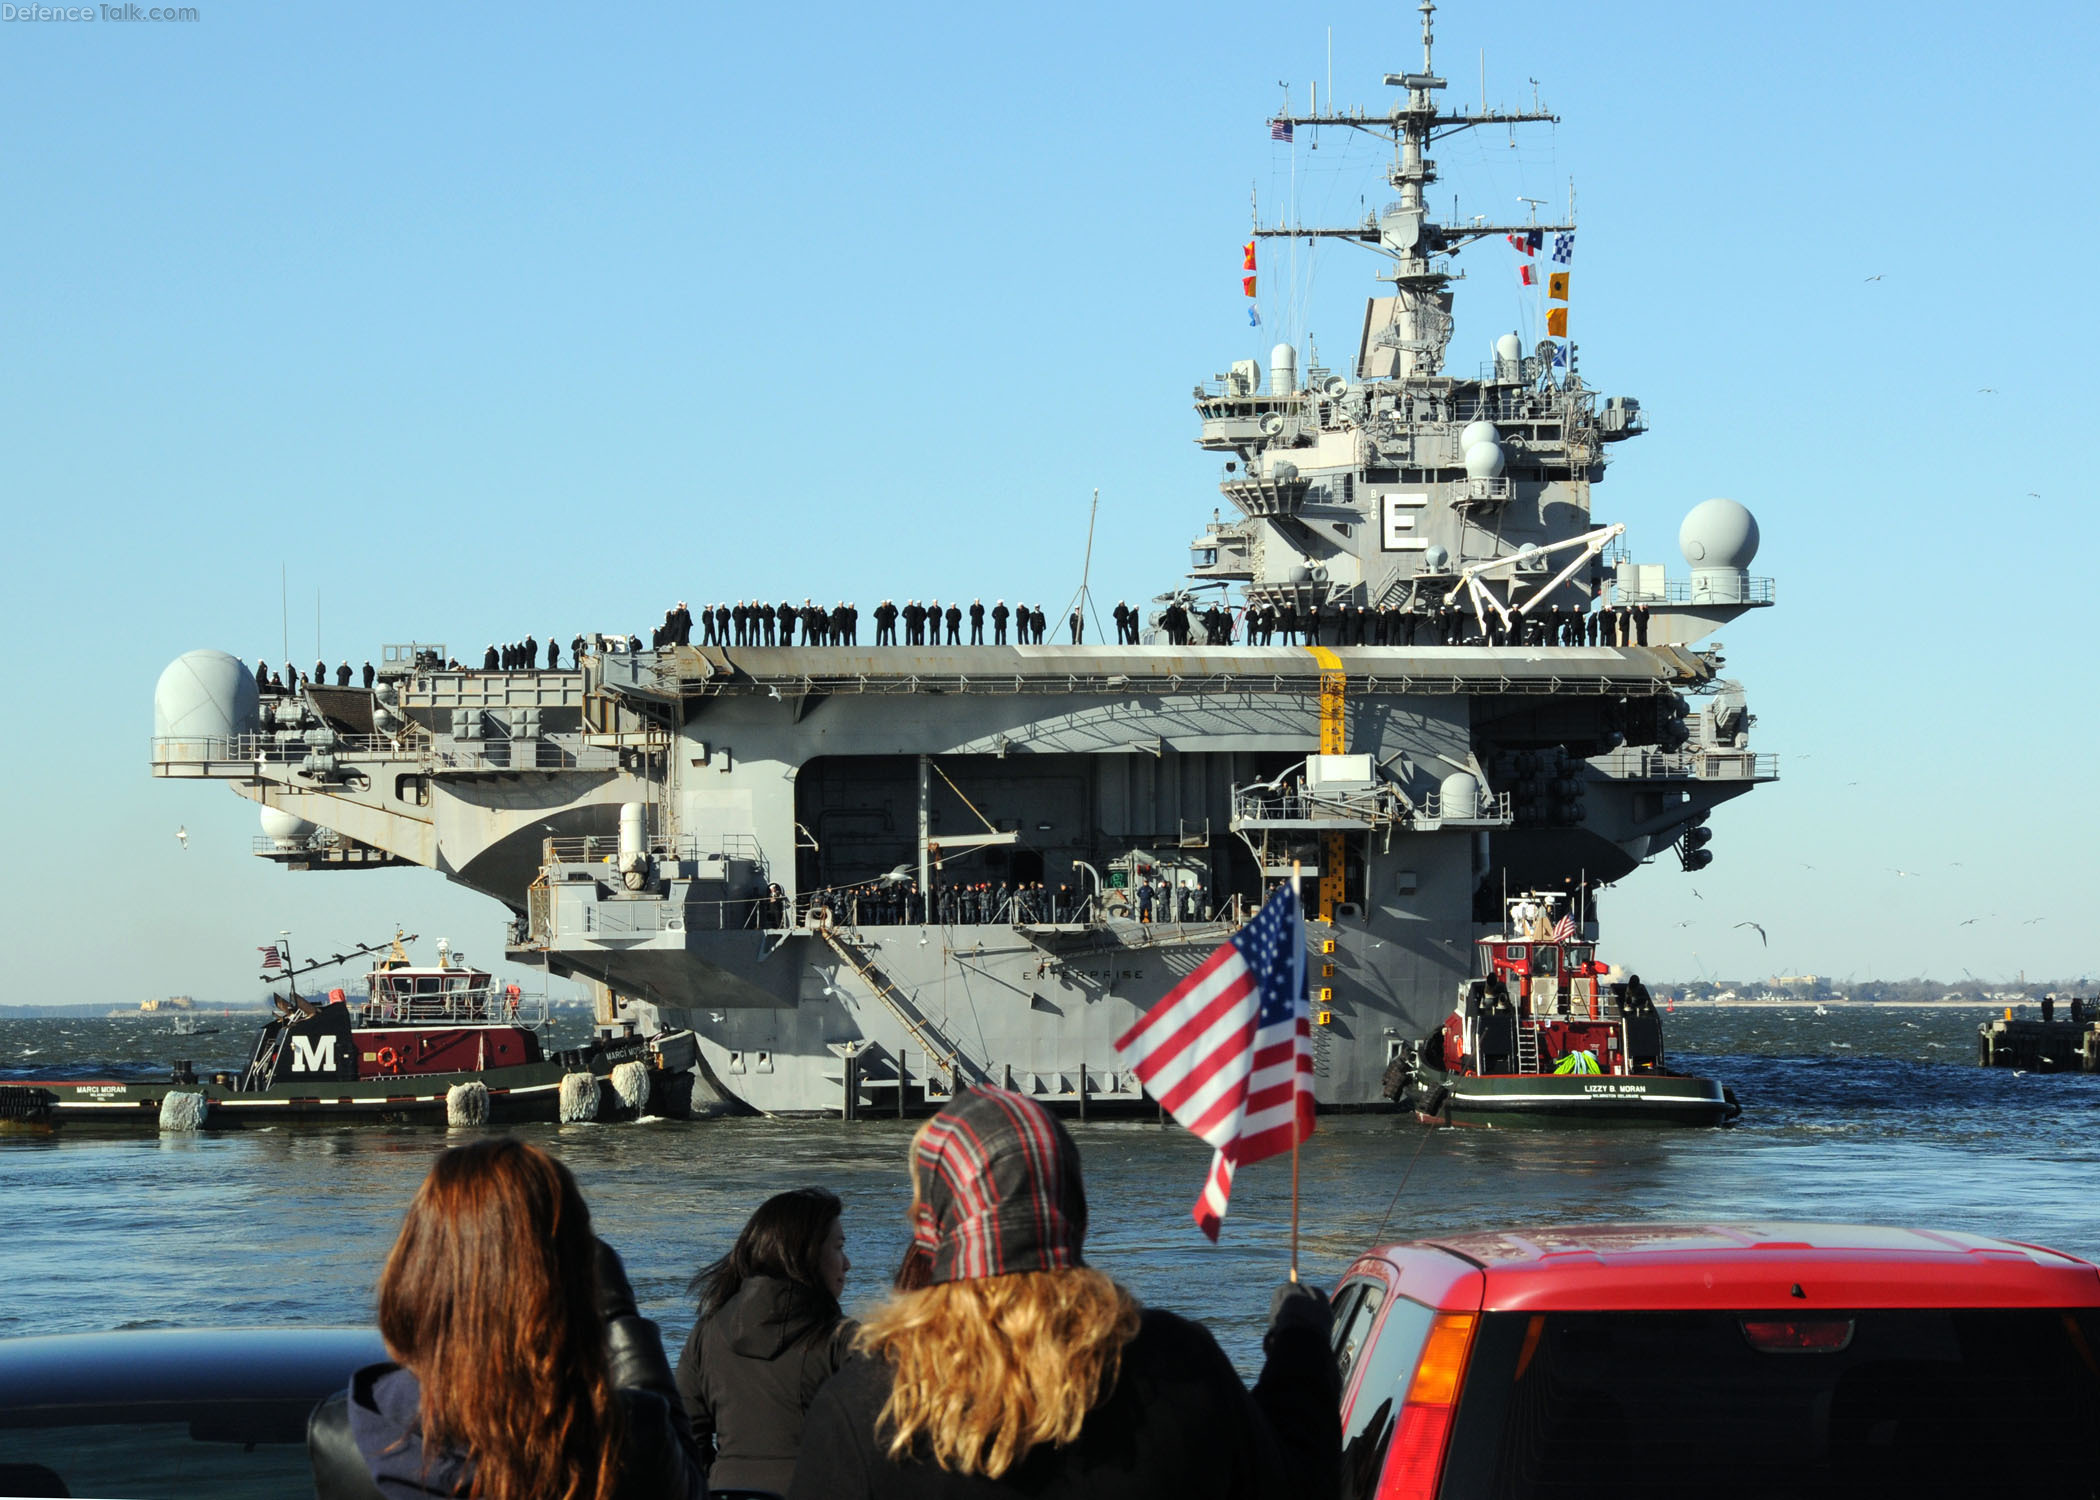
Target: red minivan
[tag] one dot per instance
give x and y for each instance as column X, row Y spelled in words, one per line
column 1713, row 1361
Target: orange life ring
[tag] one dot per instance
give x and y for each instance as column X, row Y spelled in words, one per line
column 389, row 1060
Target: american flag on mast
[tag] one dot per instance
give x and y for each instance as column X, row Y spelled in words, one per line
column 271, row 958
column 1564, row 929
column 1228, row 1052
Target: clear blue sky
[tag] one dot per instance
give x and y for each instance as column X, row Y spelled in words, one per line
column 492, row 319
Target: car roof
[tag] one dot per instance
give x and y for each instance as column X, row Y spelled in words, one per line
column 1758, row 1264
column 178, row 1367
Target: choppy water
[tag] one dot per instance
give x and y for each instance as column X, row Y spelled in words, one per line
column 1876, row 1115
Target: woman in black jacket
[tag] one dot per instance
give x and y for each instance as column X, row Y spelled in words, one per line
column 524, row 1372
column 770, row 1333
column 1006, row 1366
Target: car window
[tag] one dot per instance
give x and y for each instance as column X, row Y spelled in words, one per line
column 1389, row 1362
column 1353, row 1323
column 1895, row 1402
column 156, row 1460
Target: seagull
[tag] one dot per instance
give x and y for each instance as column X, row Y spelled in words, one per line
column 182, row 835
column 1970, row 922
column 1875, row 277
column 1986, row 390
column 1907, row 874
column 1760, row 933
column 1680, row 924
column 1695, row 893
column 2034, row 494
column 2032, row 920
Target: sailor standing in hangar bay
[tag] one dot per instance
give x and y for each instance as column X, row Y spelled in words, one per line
column 631, row 815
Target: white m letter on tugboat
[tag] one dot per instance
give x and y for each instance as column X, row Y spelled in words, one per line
column 313, row 1054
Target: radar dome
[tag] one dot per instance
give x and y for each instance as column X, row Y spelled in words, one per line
column 286, row 830
column 1718, row 534
column 1459, row 793
column 1435, row 558
column 204, row 695
column 1478, row 432
column 1483, row 461
column 1509, row 346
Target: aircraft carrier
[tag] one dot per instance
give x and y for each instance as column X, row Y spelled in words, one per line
column 743, row 839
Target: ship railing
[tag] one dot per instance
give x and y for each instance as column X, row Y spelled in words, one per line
column 592, row 849
column 293, row 747
column 1482, row 807
column 1690, row 593
column 1296, row 804
column 1642, row 764
column 481, row 1006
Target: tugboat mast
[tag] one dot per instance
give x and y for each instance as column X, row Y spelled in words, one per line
column 1420, row 328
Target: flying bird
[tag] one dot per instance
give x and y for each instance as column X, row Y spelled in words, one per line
column 1970, row 922
column 182, row 835
column 1760, row 932
column 2032, row 920
column 1875, row 277
column 1986, row 390
column 1680, row 924
column 2034, row 494
column 1906, row 874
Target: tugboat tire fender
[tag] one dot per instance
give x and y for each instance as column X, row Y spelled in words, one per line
column 1735, row 1109
column 1434, row 1105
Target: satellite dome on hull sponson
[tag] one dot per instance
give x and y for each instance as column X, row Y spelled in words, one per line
column 204, row 695
column 1718, row 534
column 1719, row 538
column 285, row 830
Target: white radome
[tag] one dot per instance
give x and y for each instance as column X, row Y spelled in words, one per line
column 1718, row 534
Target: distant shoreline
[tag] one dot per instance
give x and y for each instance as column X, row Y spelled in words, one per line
column 1851, row 1004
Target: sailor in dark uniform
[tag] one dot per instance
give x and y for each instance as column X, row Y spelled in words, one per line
column 1640, row 624
column 954, row 618
column 490, row 661
column 977, row 622
column 999, row 616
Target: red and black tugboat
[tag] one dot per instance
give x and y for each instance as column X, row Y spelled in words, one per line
column 1547, row 1035
column 437, row 1043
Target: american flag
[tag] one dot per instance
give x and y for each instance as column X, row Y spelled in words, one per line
column 271, row 958
column 1564, row 929
column 1279, row 130
column 1228, row 1053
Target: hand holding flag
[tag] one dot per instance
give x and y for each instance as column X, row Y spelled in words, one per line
column 1228, row 1051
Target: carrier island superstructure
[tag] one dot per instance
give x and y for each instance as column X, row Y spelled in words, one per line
column 709, row 833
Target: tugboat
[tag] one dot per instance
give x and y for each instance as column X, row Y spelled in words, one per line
column 436, row 1043
column 1547, row 1035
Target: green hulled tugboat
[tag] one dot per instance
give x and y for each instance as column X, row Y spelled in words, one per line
column 1547, row 1035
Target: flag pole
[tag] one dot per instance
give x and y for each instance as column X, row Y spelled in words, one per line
column 1299, row 1000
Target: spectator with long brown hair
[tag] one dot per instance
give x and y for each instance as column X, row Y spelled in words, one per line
column 523, row 1371
column 770, row 1334
column 1006, row 1366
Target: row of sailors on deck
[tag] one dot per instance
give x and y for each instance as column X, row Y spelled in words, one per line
column 1265, row 625
column 268, row 682
column 966, row 903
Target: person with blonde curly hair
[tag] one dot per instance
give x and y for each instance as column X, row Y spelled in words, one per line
column 1004, row 1365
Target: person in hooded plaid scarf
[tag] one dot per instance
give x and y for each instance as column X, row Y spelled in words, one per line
column 1004, row 1365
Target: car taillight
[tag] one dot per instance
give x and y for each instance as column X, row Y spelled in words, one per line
column 1414, row 1462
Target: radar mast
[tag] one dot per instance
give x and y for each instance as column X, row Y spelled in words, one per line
column 1406, row 335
